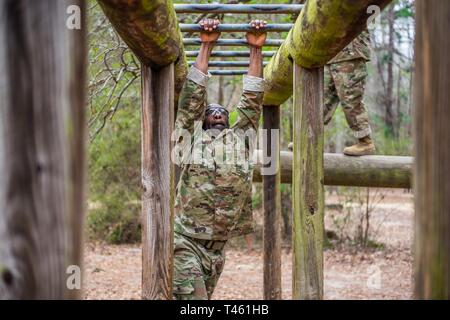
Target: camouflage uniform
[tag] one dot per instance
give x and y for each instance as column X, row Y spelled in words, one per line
column 213, row 200
column 345, row 80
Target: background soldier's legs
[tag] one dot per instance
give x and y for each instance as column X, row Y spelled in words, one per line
column 350, row 80
column 331, row 98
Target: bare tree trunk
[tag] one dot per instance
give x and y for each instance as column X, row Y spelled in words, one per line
column 398, row 113
column 388, row 98
column 220, row 91
column 42, row 140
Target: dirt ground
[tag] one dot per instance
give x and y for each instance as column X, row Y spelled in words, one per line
column 385, row 272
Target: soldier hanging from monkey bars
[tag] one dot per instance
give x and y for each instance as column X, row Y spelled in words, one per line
column 213, row 202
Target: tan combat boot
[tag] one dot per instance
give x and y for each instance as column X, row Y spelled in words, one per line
column 364, row 147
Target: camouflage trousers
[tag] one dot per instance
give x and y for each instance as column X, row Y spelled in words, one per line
column 345, row 84
column 196, row 269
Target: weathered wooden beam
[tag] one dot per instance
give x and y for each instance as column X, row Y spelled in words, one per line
column 157, row 182
column 341, row 170
column 307, row 185
column 272, row 205
column 239, row 8
column 232, row 42
column 432, row 148
column 321, row 31
column 42, row 144
column 237, row 27
column 150, row 29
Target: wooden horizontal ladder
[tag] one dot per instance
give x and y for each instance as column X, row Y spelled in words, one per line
column 293, row 9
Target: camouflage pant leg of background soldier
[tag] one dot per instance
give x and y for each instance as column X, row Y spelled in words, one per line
column 345, row 83
column 196, row 269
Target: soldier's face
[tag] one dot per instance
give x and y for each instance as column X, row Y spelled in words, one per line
column 216, row 119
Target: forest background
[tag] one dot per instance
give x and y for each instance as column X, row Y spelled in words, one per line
column 114, row 122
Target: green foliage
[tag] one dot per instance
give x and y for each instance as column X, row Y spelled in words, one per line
column 114, row 168
column 233, row 117
column 116, row 222
column 257, row 197
column 114, row 130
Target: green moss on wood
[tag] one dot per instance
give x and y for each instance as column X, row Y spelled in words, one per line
column 149, row 28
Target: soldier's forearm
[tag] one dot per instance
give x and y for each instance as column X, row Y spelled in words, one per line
column 202, row 60
column 256, row 62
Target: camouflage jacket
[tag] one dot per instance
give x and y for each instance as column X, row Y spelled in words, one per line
column 214, row 191
column 359, row 48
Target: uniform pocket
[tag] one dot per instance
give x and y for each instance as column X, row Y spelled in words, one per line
column 193, row 289
column 183, row 288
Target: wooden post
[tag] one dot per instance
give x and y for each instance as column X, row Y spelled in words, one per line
column 307, row 186
column 432, row 148
column 157, row 182
column 42, row 141
column 272, row 207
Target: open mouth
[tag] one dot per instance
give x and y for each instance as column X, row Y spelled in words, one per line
column 218, row 124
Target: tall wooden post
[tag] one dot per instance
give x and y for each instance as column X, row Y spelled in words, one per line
column 272, row 206
column 307, row 184
column 432, row 148
column 42, row 142
column 157, row 182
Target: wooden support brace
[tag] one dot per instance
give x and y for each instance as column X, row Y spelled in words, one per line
column 308, row 185
column 157, row 182
column 272, row 204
